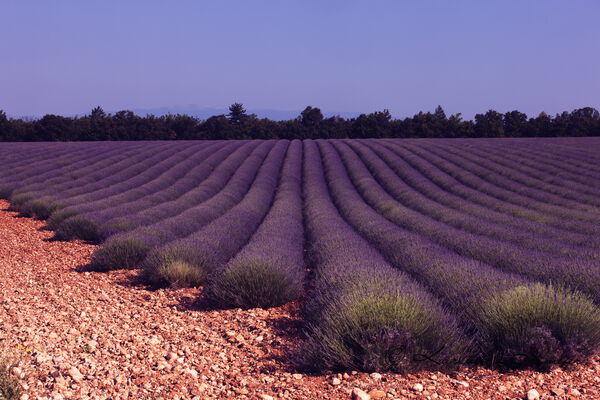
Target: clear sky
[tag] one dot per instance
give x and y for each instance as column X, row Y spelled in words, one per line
column 65, row 57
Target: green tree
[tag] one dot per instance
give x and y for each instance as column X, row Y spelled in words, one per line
column 514, row 123
column 4, row 126
column 98, row 125
column 490, row 124
column 311, row 117
column 237, row 114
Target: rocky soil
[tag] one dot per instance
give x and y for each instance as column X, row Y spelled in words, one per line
column 77, row 334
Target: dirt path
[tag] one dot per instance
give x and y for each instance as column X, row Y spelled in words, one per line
column 88, row 335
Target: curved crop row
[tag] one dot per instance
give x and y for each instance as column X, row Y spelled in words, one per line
column 89, row 164
column 545, row 168
column 402, row 253
column 189, row 196
column 434, row 184
column 60, row 168
column 518, row 172
column 55, row 203
column 577, row 274
column 17, row 159
column 461, row 184
column 128, row 250
column 553, row 325
column 112, row 179
column 167, row 187
column 414, row 200
column 362, row 313
column 518, row 190
column 204, row 251
column 68, row 175
column 505, row 199
column 269, row 270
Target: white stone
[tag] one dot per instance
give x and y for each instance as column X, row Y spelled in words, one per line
column 533, row 395
column 358, row 394
column 417, row 387
column 75, row 374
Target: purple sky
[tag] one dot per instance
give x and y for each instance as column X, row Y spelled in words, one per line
column 65, row 57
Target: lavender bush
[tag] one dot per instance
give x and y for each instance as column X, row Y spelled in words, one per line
column 269, row 270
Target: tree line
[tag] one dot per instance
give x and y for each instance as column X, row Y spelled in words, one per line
column 310, row 124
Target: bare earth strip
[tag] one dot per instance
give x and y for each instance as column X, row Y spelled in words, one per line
column 88, row 335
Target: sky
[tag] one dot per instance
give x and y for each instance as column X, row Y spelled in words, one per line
column 65, row 57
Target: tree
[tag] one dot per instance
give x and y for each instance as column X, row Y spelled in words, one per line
column 237, row 114
column 584, row 122
column 311, row 117
column 514, row 123
column 98, row 125
column 4, row 126
column 490, row 124
column 439, row 113
column 375, row 124
column 181, row 126
column 53, row 128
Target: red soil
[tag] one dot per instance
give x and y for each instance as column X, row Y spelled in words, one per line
column 89, row 335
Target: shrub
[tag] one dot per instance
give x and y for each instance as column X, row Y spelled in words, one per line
column 181, row 274
column 58, row 216
column 115, row 227
column 375, row 332
column 178, row 265
column 40, row 208
column 540, row 325
column 10, row 389
column 120, row 252
column 78, row 227
column 255, row 284
column 17, row 200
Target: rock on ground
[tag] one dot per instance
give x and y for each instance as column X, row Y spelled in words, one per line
column 86, row 335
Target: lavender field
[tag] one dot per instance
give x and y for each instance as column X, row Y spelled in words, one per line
column 402, row 253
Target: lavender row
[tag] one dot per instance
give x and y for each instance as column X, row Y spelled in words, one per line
column 158, row 177
column 506, row 315
column 104, row 179
column 19, row 157
column 545, row 201
column 61, row 167
column 54, row 205
column 556, row 165
column 85, row 166
column 413, row 199
column 204, row 251
column 128, row 250
column 581, row 157
column 538, row 177
column 188, row 198
column 87, row 162
column 583, row 275
column 169, row 186
column 516, row 184
column 518, row 205
column 16, row 159
column 269, row 270
column 446, row 180
column 362, row 313
column 548, row 167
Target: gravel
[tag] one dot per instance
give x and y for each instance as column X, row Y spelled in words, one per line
column 86, row 335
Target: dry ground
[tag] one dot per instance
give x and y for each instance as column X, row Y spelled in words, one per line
column 86, row 335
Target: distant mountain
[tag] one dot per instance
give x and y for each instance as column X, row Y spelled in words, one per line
column 206, row 112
